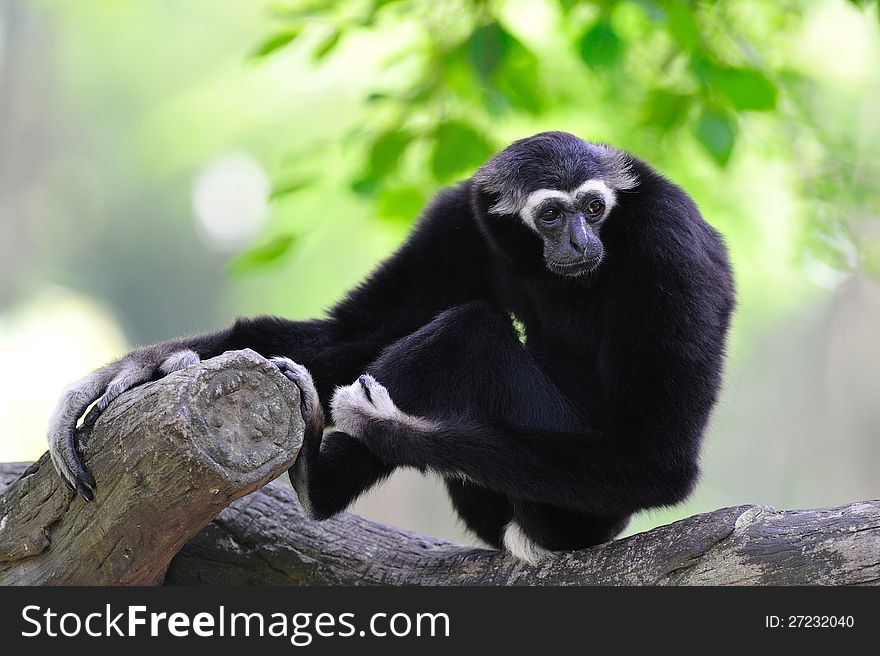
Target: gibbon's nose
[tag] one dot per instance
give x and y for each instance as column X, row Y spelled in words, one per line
column 578, row 234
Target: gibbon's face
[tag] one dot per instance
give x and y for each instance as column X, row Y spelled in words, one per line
column 568, row 222
column 563, row 189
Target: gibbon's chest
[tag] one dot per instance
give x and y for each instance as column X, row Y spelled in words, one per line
column 565, row 324
column 569, row 358
column 560, row 318
column 561, row 329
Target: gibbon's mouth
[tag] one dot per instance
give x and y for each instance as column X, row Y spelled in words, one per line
column 574, row 269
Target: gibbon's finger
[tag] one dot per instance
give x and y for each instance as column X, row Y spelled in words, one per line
column 59, row 468
column 137, row 369
column 69, row 466
column 300, row 376
column 62, row 428
column 131, row 375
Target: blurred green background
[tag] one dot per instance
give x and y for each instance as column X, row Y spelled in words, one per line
column 166, row 166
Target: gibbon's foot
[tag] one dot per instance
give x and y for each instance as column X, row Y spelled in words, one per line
column 521, row 546
column 101, row 387
column 313, row 416
column 355, row 405
column 367, row 401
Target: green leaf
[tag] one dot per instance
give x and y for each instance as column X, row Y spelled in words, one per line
column 486, row 48
column 301, row 9
column 745, row 88
column 517, row 78
column 682, row 24
column 402, row 203
column 458, row 147
column 665, row 109
column 457, row 74
column 600, row 47
column 383, row 159
column 386, row 151
column 326, row 46
column 423, row 91
column 567, row 5
column 375, row 7
column 702, row 67
column 289, row 186
column 365, row 185
column 276, row 42
column 716, row 131
column 520, row 87
column 493, row 67
column 261, row 255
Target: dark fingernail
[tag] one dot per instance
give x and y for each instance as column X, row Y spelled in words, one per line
column 85, row 492
column 89, row 480
column 363, row 381
column 92, row 416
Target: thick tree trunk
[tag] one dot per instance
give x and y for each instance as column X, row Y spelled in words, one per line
column 169, row 456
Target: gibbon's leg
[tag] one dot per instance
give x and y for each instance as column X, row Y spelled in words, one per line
column 467, row 362
column 462, row 360
column 528, row 529
column 559, row 529
column 602, row 476
column 484, row 512
column 471, row 404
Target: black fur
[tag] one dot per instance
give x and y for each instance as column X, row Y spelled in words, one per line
column 599, row 414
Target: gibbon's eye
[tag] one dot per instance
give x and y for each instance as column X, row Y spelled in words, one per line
column 550, row 214
column 595, row 207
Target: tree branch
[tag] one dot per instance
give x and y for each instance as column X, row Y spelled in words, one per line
column 232, row 423
column 263, row 538
column 168, row 456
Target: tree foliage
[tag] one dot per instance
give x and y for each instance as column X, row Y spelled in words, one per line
column 670, row 71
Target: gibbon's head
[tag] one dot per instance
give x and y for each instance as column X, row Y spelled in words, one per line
column 562, row 189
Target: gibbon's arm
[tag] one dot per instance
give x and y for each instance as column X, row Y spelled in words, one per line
column 443, row 263
column 590, row 471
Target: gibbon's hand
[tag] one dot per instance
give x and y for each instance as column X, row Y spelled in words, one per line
column 313, row 416
column 101, row 387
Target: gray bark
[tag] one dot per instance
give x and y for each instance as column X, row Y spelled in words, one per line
column 263, row 538
column 232, row 423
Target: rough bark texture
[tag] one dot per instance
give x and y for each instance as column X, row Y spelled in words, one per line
column 263, row 538
column 169, row 456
